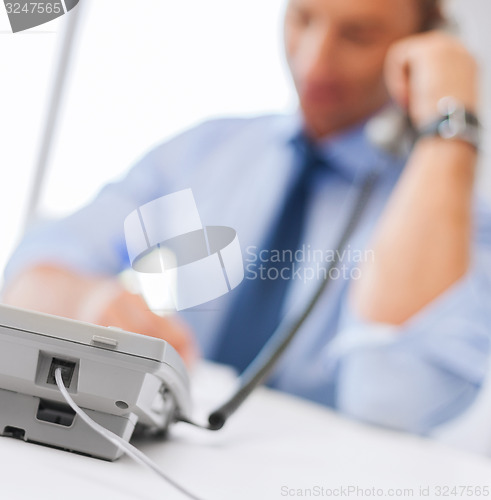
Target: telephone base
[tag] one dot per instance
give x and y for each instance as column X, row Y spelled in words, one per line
column 53, row 424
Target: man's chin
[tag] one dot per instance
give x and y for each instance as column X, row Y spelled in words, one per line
column 324, row 122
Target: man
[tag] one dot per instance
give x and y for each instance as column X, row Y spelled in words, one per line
column 402, row 338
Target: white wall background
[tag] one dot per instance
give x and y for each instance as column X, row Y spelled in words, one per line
column 473, row 21
column 144, row 70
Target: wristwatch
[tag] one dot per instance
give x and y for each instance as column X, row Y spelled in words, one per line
column 455, row 123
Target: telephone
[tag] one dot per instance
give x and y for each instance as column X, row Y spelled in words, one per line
column 392, row 131
column 125, row 381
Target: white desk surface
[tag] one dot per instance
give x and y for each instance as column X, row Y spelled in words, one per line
column 274, row 442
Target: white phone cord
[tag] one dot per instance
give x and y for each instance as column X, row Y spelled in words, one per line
column 127, row 448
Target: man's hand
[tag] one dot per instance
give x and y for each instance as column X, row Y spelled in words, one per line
column 108, row 304
column 101, row 301
column 422, row 69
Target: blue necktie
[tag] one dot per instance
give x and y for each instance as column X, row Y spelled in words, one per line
column 255, row 310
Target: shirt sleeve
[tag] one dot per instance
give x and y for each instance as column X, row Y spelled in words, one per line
column 429, row 370
column 92, row 240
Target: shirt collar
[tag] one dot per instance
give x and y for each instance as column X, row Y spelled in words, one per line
column 349, row 152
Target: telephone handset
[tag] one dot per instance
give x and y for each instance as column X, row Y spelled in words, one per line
column 392, row 131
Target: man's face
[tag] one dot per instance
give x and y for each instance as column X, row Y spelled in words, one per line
column 336, row 51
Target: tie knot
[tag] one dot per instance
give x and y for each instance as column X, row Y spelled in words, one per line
column 309, row 156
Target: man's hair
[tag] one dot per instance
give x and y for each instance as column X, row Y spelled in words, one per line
column 432, row 14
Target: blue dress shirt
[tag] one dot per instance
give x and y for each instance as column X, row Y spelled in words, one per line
column 413, row 377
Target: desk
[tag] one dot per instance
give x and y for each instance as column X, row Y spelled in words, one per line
column 274, row 441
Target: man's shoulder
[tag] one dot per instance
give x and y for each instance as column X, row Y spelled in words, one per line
column 235, row 123
column 228, row 136
column 216, row 130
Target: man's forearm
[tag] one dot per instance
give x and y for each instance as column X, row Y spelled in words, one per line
column 423, row 242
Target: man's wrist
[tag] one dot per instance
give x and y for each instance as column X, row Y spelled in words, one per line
column 459, row 148
column 455, row 122
column 454, row 161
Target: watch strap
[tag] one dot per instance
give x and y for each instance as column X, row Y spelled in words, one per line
column 455, row 123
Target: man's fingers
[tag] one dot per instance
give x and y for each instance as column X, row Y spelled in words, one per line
column 422, row 69
column 130, row 312
column 397, row 73
column 174, row 331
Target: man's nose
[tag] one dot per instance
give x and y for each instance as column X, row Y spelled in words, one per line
column 320, row 56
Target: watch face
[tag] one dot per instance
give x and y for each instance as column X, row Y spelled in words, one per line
column 455, row 123
column 451, row 128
